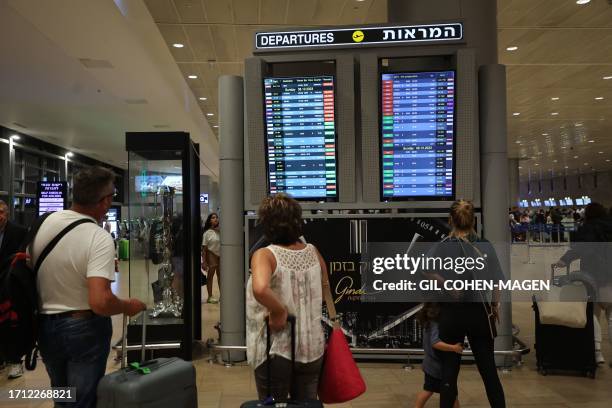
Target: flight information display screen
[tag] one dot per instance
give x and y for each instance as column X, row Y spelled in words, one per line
column 301, row 137
column 417, row 135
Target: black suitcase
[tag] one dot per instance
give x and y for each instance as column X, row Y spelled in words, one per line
column 561, row 348
column 269, row 402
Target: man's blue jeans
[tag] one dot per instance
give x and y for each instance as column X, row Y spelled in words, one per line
column 75, row 352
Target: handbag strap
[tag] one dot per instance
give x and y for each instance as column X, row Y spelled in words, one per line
column 329, row 300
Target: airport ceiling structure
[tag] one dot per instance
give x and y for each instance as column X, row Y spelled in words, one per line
column 558, row 55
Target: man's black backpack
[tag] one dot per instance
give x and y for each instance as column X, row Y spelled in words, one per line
column 19, row 301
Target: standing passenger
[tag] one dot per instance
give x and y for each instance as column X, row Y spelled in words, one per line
column 211, row 254
column 286, row 279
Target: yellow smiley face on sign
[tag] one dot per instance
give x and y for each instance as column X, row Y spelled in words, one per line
column 358, row 36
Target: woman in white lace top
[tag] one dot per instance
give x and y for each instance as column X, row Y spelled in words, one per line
column 286, row 279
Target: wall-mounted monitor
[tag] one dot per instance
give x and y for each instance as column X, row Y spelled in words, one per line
column 51, row 196
column 579, row 201
column 586, row 200
column 417, row 135
column 300, row 128
column 552, row 202
column 569, row 201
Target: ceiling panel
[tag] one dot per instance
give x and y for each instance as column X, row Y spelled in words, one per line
column 190, row 11
column 162, row 11
column 300, row 12
column 219, row 11
column 224, row 40
column 273, row 11
column 173, row 34
column 377, row 12
column 327, row 12
column 355, row 12
column 201, row 41
column 245, row 11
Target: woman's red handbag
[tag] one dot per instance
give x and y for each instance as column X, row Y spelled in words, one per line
column 340, row 380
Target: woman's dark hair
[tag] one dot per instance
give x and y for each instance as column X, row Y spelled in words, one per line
column 208, row 223
column 594, row 211
column 281, row 219
column 428, row 313
column 462, row 216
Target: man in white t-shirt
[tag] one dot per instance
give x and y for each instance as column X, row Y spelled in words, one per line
column 74, row 287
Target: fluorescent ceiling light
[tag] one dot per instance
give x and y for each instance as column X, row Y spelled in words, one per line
column 537, row 164
column 512, row 48
column 608, row 77
column 544, row 134
column 202, row 98
column 600, row 152
column 210, row 114
column 178, row 45
column 15, row 137
column 554, row 98
column 599, row 98
column 192, row 77
column 554, row 113
column 581, row 2
column 591, row 141
column 516, row 113
column 69, row 154
column 215, row 126
column 575, row 157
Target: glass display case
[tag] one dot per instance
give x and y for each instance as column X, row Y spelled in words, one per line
column 164, row 235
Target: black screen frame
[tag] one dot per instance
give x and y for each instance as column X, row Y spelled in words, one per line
column 383, row 198
column 327, row 199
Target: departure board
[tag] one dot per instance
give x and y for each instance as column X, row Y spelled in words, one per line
column 417, row 135
column 301, row 137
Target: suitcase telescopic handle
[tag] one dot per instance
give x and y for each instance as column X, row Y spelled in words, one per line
column 124, row 338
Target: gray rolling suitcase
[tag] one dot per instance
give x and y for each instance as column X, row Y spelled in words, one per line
column 157, row 383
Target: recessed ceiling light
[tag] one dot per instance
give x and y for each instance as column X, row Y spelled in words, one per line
column 202, row 98
column 575, row 157
column 608, row 77
column 564, row 147
column 178, row 45
column 586, row 164
column 544, row 134
column 512, row 48
column 518, row 142
column 600, row 152
column 516, row 113
column 520, row 167
column 192, row 77
column 591, row 141
column 210, row 114
column 537, row 164
column 215, row 126
column 578, row 124
column 554, row 98
column 599, row 98
column 554, row 161
column 607, row 160
column 554, row 113
column 567, row 167
column 581, row 2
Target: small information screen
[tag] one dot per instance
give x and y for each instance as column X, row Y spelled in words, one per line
column 51, row 196
column 417, row 135
column 301, row 137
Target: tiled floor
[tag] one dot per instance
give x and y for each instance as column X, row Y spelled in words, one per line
column 389, row 385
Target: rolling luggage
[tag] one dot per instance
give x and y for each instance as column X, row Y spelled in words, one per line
column 562, row 348
column 157, row 383
column 269, row 402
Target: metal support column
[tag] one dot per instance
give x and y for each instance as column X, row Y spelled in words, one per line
column 231, row 136
column 494, row 188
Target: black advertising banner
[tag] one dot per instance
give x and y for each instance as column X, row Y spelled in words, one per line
column 341, row 241
column 359, row 36
column 51, row 196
